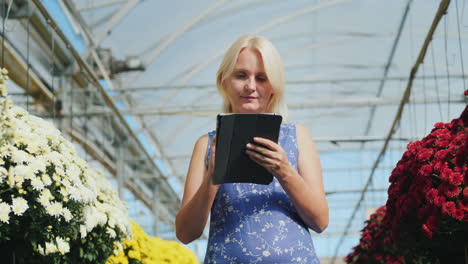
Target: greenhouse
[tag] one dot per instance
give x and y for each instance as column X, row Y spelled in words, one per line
column 110, row 125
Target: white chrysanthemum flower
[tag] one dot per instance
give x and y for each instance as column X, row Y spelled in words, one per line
column 40, row 249
column 89, row 217
column 64, row 190
column 22, row 172
column 3, row 90
column 44, row 199
column 11, row 177
column 73, row 172
column 3, row 173
column 37, row 184
column 54, row 157
column 50, row 247
column 67, row 214
column 46, row 180
column 111, row 232
column 4, row 212
column 75, row 193
column 83, row 232
column 54, row 209
column 87, row 195
column 37, row 165
column 18, row 111
column 35, row 145
column 101, row 218
column 19, row 205
column 120, row 246
column 62, row 245
column 59, row 173
column 6, row 150
column 20, row 156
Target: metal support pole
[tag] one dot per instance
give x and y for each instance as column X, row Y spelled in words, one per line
column 155, row 209
column 121, row 169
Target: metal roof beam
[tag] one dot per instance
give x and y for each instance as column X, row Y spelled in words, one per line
column 210, row 110
column 289, row 83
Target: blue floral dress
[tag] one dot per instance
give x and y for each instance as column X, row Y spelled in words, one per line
column 253, row 223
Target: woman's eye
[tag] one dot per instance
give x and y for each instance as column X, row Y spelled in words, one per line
column 240, row 75
column 262, row 79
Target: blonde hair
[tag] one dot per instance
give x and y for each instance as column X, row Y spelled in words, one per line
column 274, row 70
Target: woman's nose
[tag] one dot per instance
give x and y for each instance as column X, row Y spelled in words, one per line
column 250, row 84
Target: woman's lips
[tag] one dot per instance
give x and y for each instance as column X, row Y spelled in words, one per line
column 248, row 97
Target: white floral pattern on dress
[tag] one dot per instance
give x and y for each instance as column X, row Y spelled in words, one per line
column 253, row 223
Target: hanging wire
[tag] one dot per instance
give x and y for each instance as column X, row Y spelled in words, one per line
column 447, row 67
column 5, row 17
column 413, row 118
column 28, row 48
column 461, row 50
column 425, row 96
column 412, row 107
column 71, row 109
column 401, row 146
column 52, row 69
column 86, row 117
column 436, row 83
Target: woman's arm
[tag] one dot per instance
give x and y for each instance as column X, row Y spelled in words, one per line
column 199, row 194
column 305, row 187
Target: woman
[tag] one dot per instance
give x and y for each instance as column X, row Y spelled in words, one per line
column 253, row 223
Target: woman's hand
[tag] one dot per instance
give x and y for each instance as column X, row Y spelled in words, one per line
column 211, row 163
column 271, row 156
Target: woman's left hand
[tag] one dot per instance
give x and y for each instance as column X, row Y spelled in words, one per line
column 271, row 156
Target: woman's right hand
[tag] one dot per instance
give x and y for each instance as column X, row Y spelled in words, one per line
column 211, row 163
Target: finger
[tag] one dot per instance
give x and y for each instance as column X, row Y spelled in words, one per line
column 262, row 150
column 261, row 160
column 213, row 144
column 212, row 151
column 259, row 157
column 266, row 142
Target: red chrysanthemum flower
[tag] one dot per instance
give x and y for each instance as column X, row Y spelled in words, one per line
column 448, row 208
column 432, row 196
column 427, row 231
column 425, row 155
column 425, row 170
column 458, row 214
column 449, row 190
column 439, row 125
column 463, row 204
column 442, row 154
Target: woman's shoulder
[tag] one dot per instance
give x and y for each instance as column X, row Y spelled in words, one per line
column 202, row 141
column 300, row 129
column 303, row 133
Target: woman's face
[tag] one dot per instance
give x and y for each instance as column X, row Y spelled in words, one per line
column 248, row 88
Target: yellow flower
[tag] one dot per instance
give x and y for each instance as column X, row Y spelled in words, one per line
column 152, row 250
